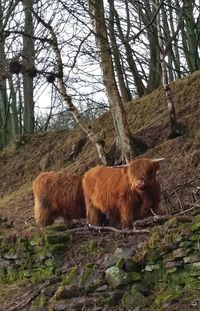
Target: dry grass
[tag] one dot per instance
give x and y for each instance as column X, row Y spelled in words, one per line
column 147, row 117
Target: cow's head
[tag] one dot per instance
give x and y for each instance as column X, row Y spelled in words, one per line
column 142, row 172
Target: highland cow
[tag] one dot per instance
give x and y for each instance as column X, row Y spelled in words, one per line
column 58, row 194
column 121, row 195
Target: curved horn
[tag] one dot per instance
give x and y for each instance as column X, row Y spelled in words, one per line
column 121, row 166
column 158, row 159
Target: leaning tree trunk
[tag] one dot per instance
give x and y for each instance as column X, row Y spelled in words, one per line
column 67, row 99
column 123, row 134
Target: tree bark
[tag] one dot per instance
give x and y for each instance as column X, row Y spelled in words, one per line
column 123, row 134
column 165, row 80
column 140, row 88
column 28, row 62
column 5, row 128
column 190, row 37
column 125, row 92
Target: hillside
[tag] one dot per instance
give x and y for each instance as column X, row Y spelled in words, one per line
column 23, row 159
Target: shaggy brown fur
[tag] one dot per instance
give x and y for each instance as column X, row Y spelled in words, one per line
column 58, row 194
column 121, row 195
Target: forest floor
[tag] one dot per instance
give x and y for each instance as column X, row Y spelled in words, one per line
column 23, row 159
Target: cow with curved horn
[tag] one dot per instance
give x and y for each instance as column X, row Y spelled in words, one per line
column 121, row 195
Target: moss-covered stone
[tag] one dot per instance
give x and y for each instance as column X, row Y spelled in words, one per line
column 65, row 292
column 196, row 223
column 90, row 277
column 134, row 276
column 58, row 238
column 72, row 277
column 133, row 299
column 116, row 277
column 152, row 267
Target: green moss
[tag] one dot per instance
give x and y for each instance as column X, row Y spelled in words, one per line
column 90, row 248
column 40, row 302
column 89, row 277
column 71, row 277
column 57, row 250
column 196, row 223
column 165, row 295
column 55, row 228
column 133, row 299
column 58, row 238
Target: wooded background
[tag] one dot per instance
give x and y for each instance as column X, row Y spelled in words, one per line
column 77, row 50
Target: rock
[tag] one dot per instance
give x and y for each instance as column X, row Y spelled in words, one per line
column 72, row 277
column 171, row 270
column 57, row 250
column 116, row 277
column 196, row 223
column 152, row 267
column 179, row 253
column 73, row 304
column 65, row 291
column 59, row 306
column 131, row 265
column 102, row 288
column 192, row 258
column 108, row 298
column 133, row 299
column 120, row 256
column 58, row 238
column 174, row 263
column 49, row 291
column 134, row 276
column 90, row 277
column 11, row 256
column 4, row 264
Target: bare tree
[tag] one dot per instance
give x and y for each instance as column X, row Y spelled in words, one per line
column 174, row 125
column 123, row 134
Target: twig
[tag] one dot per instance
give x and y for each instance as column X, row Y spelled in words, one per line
column 107, row 228
column 160, row 220
column 19, row 306
column 77, row 229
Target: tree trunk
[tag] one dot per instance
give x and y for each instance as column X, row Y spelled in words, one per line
column 190, row 37
column 154, row 79
column 14, row 115
column 140, row 88
column 67, row 99
column 125, row 92
column 123, row 134
column 28, row 63
column 165, row 80
column 5, row 128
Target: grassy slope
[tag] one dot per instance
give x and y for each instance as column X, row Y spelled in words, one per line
column 147, row 118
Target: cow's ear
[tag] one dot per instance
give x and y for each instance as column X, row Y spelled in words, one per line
column 157, row 163
column 156, row 166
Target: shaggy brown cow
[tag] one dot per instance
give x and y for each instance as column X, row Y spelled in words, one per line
column 121, row 195
column 58, row 194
